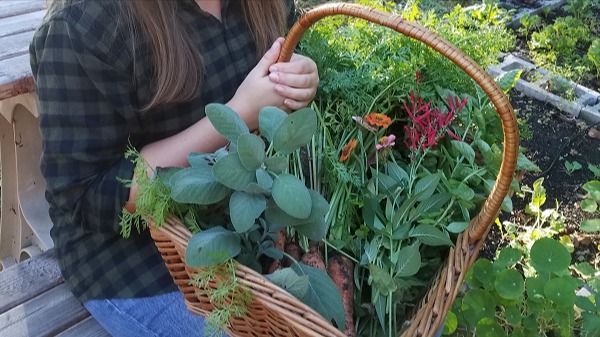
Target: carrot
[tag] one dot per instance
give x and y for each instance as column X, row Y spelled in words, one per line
column 293, row 249
column 341, row 271
column 279, row 244
column 314, row 257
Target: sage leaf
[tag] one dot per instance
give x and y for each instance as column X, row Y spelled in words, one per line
column 269, row 120
column 430, row 236
column 251, row 150
column 274, row 215
column 226, row 121
column 322, row 295
column 409, row 261
column 211, row 247
column 196, row 186
column 290, row 281
column 315, row 228
column 550, row 256
column 277, row 164
column 296, row 130
column 590, row 225
column 290, row 194
column 230, row 172
column 465, row 150
column 244, row 208
column 264, row 179
column 426, row 186
column 165, row 174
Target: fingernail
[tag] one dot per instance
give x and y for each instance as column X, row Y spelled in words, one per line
column 273, row 69
column 274, row 76
column 278, row 88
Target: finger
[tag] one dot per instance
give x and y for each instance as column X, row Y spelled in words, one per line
column 299, row 66
column 295, row 105
column 269, row 58
column 297, row 94
column 295, row 80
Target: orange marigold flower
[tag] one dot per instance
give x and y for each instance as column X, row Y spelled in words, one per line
column 348, row 149
column 378, row 119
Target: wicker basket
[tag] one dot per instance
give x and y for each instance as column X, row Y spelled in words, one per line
column 274, row 312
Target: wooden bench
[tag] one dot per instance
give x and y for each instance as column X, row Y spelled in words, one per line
column 34, row 302
column 24, row 221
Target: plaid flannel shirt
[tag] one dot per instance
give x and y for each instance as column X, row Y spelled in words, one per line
column 90, row 99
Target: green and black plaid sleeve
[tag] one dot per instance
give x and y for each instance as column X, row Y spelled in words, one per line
column 90, row 88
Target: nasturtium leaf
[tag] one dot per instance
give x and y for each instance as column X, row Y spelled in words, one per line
column 230, row 172
column 409, row 261
column 457, row 227
column 461, row 190
column 561, row 291
column 269, row 120
column 548, row 255
column 251, row 150
column 226, row 121
column 590, row 225
column 296, row 130
column 589, row 205
column 508, row 257
column 196, row 186
column 277, row 164
column 426, row 186
column 290, row 194
column 585, row 303
column 290, row 281
column 478, row 304
column 315, row 228
column 211, row 247
column 590, row 325
column 535, row 288
column 513, row 315
column 593, row 188
column 382, row 280
column 488, row 327
column 483, row 272
column 465, row 150
column 322, row 295
column 264, row 179
column 244, row 208
column 430, row 236
column 585, row 269
column 509, row 284
column 450, row 324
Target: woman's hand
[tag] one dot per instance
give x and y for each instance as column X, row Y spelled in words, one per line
column 257, row 90
column 296, row 80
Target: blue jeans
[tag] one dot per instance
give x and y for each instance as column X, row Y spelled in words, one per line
column 158, row 316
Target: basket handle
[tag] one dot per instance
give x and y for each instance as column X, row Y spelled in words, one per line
column 480, row 223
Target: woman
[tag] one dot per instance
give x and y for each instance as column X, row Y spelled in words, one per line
column 110, row 73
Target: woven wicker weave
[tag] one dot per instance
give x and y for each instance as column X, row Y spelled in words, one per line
column 274, row 312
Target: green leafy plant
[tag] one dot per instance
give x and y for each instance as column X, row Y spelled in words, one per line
column 594, row 169
column 528, row 23
column 572, row 166
column 590, row 205
column 501, row 301
column 593, row 55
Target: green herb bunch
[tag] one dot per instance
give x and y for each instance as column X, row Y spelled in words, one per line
column 239, row 198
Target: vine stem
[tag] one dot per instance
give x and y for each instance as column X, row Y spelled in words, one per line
column 329, row 244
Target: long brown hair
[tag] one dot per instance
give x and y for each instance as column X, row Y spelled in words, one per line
column 176, row 63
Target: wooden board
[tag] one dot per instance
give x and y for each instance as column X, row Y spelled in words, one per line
column 15, row 7
column 15, row 76
column 15, row 45
column 46, row 315
column 21, row 23
column 86, row 328
column 28, row 279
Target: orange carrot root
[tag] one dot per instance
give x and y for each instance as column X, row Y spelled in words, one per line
column 341, row 271
column 314, row 257
column 279, row 244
